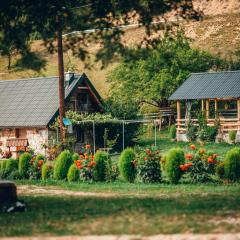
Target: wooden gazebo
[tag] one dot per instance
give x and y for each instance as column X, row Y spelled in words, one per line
column 217, row 94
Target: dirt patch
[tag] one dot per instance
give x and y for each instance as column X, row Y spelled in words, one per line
column 50, row 191
column 131, row 237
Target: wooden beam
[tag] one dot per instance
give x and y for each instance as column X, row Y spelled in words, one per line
column 178, row 116
column 202, row 105
column 207, row 109
column 216, row 107
column 238, row 111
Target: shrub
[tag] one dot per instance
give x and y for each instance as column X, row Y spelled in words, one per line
column 11, row 165
column 232, row 136
column 126, row 165
column 35, row 168
column 40, row 157
column 174, row 159
column 173, row 132
column 3, row 164
column 220, row 170
column 75, row 156
column 62, row 164
column 86, row 164
column 73, row 174
column 103, row 168
column 200, row 165
column 24, row 164
column 15, row 175
column 46, row 171
column 232, row 165
column 148, row 165
column 191, row 131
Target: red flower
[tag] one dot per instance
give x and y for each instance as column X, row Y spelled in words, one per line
column 214, row 156
column 40, row 163
column 210, row 160
column 87, row 146
column 189, row 156
column 192, row 146
column 202, row 151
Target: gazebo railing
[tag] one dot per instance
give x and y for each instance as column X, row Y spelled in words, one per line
column 226, row 124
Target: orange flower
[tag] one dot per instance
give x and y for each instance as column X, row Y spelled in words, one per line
column 85, row 154
column 40, row 163
column 145, row 158
column 202, row 151
column 92, row 157
column 92, row 164
column 87, row 146
column 214, row 156
column 210, row 160
column 192, row 146
column 81, row 156
column 189, row 156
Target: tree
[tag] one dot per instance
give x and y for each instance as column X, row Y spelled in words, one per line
column 151, row 75
column 54, row 17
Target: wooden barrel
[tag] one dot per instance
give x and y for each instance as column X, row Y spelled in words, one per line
column 8, row 192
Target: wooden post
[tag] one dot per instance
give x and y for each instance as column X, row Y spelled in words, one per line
column 238, row 112
column 178, row 117
column 202, row 105
column 216, row 107
column 207, row 109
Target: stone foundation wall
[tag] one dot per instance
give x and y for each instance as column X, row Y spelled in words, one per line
column 220, row 138
column 36, row 138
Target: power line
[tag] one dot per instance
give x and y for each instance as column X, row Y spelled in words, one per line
column 115, row 27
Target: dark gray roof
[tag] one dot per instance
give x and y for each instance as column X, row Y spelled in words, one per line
column 209, row 85
column 31, row 102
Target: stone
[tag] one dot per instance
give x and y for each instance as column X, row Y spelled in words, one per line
column 8, row 192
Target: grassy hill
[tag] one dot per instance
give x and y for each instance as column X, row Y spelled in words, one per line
column 218, row 33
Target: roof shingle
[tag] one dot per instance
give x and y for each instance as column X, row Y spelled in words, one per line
column 209, row 85
column 30, row 102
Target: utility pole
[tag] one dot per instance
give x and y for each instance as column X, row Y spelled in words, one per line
column 61, row 82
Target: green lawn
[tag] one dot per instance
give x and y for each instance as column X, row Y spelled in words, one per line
column 144, row 209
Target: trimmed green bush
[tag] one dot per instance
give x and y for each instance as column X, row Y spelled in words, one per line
column 75, row 157
column 24, row 164
column 3, row 164
column 232, row 165
column 127, row 168
column 174, row 159
column 62, row 165
column 102, row 170
column 11, row 165
column 40, row 157
column 173, row 132
column 73, row 174
column 46, row 171
column 220, row 170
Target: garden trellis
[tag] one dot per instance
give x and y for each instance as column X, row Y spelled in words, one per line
column 123, row 123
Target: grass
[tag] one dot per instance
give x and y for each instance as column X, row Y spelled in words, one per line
column 141, row 209
column 144, row 209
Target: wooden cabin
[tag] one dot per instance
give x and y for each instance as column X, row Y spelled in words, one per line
column 29, row 106
column 217, row 95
